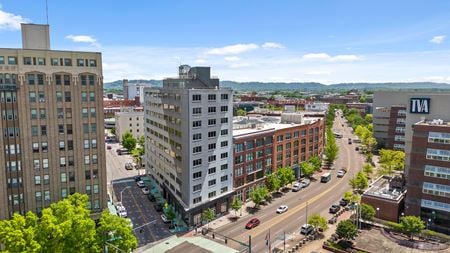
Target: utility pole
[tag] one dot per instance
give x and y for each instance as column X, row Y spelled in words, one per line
column 249, row 244
column 284, row 241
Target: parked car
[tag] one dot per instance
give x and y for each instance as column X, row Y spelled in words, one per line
column 297, row 187
column 343, row 202
column 164, row 218
column 137, row 178
column 158, row 207
column 140, row 183
column 332, row 220
column 108, row 147
column 340, row 173
column 145, row 190
column 122, row 151
column 252, row 223
column 128, row 166
column 282, row 209
column 335, row 208
column 122, row 213
column 305, row 182
column 306, row 229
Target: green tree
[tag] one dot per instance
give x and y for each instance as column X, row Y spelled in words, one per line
column 363, row 98
column 307, row 169
column 286, row 176
column 411, row 225
column 241, row 112
column 236, row 205
column 351, row 197
column 116, row 231
column 19, row 233
column 169, row 212
column 258, row 195
column 316, row 162
column 346, row 230
column 331, row 148
column 318, row 222
column 367, row 212
column 391, row 160
column 128, row 141
column 367, row 169
column 273, row 183
column 359, row 182
column 208, row 215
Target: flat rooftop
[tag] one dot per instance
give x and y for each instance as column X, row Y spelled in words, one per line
column 381, row 189
column 243, row 125
column 188, row 245
column 434, row 122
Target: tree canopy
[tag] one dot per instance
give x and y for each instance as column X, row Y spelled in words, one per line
column 411, row 225
column 391, row 160
column 346, row 230
column 286, row 176
column 359, row 182
column 273, row 183
column 307, row 169
column 128, row 141
column 367, row 212
column 319, row 222
column 236, row 205
column 65, row 226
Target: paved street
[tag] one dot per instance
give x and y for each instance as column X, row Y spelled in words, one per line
column 140, row 210
column 319, row 196
column 115, row 164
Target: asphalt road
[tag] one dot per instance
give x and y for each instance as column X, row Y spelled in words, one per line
column 317, row 198
column 115, row 164
column 141, row 212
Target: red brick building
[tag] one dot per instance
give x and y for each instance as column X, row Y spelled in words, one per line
column 263, row 144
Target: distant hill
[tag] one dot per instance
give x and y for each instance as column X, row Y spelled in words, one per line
column 260, row 86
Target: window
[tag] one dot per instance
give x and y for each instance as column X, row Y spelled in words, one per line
column 35, row 147
column 436, row 137
column 88, row 189
column 197, row 200
column 27, row 61
column 438, row 154
column 33, row 113
column 197, row 123
column 80, row 62
column 197, row 162
column 42, row 114
column 86, row 144
column 288, row 136
column 280, row 138
column 249, row 145
column 62, row 161
column 212, row 170
column 196, row 110
column 197, row 136
column 92, row 63
column 223, row 155
column 224, row 178
column 211, row 158
column 224, row 96
column 58, row 79
column 196, row 175
column 54, row 61
column 84, row 97
column 38, row 196
column 43, row 130
column 224, row 144
column 96, row 188
column 224, row 120
column 224, row 167
column 92, row 113
column 66, row 79
column 436, row 171
column 211, row 122
column 61, row 129
column 46, row 179
column 211, row 146
column 31, row 79
column 94, row 143
column 93, row 127
column 63, row 192
column 67, row 96
column 211, row 182
column 32, row 97
column 92, row 96
column 197, row 187
column 91, row 79
column 211, row 97
column 63, row 177
column 46, row 195
column 249, row 157
column 224, row 132
column 224, row 108
column 67, row 62
column 87, row 160
column 41, row 96
column 37, row 180
column 212, row 194
column 12, row 60
column 2, row 60
column 84, row 112
column 212, row 134
column 224, row 189
column 436, row 189
column 196, row 97
column 212, row 109
column 239, row 147
column 238, row 159
column 197, row 149
column 83, row 80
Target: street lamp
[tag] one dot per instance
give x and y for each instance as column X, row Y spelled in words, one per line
column 378, row 209
column 122, row 192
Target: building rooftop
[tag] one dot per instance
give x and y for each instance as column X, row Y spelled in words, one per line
column 434, row 122
column 188, row 245
column 382, row 188
column 243, row 125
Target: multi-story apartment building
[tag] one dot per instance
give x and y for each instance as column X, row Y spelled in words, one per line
column 52, row 123
column 131, row 121
column 429, row 174
column 188, row 129
column 264, row 144
column 134, row 91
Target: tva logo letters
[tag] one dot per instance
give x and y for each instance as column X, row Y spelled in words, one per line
column 420, row 105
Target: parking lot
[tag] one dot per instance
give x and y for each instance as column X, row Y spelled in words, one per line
column 141, row 211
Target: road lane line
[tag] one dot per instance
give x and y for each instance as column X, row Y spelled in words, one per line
column 142, row 215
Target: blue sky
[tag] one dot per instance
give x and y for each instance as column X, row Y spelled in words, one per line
column 322, row 41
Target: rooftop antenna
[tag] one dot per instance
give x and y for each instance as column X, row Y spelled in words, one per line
column 46, row 10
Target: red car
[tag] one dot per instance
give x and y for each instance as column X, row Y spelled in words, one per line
column 252, row 223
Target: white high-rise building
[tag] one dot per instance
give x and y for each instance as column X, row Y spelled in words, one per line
column 188, row 129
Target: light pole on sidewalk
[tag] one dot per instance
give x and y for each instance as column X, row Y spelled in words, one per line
column 122, row 192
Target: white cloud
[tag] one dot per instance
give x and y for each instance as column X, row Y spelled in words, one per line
column 317, row 73
column 232, row 49
column 81, row 38
column 274, row 45
column 9, row 21
column 327, row 57
column 232, row 58
column 438, row 39
column 200, row 61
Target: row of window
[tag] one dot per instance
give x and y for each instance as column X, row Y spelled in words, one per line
column 438, row 154
column 211, row 97
column 436, row 137
column 436, row 189
column 6, row 78
column 211, row 146
column 436, row 171
column 39, row 79
column 435, row 205
column 198, row 110
column 41, row 61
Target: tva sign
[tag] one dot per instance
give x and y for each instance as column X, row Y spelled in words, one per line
column 419, row 105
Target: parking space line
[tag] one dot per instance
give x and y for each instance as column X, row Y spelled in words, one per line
column 142, row 215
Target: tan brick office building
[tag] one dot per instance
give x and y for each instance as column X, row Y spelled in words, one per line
column 52, row 123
